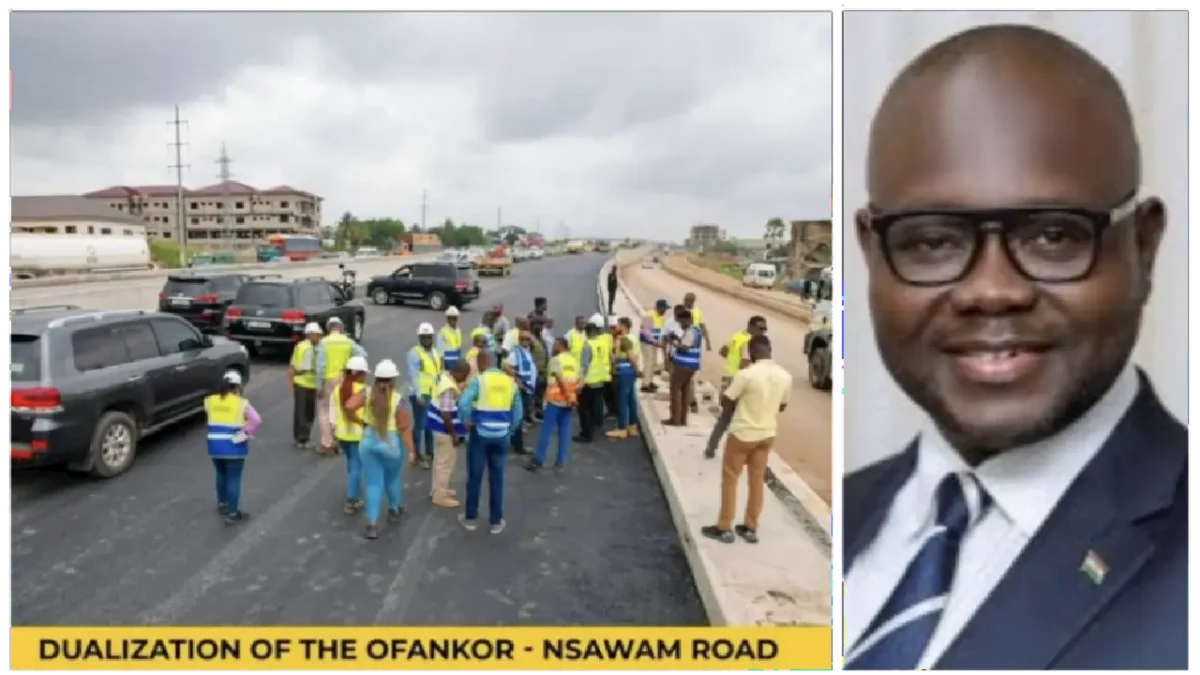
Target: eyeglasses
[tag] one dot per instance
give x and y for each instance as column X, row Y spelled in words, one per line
column 1048, row 244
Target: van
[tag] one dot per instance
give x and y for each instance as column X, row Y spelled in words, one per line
column 759, row 275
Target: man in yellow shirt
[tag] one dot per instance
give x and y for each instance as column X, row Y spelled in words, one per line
column 758, row 394
column 737, row 358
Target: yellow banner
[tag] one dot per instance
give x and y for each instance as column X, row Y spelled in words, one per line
column 397, row 648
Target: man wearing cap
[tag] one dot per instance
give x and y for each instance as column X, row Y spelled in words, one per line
column 302, row 373
column 333, row 352
column 424, row 364
column 449, row 341
column 654, row 323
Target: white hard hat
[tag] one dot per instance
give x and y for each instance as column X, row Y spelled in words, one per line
column 452, row 311
column 334, row 321
column 233, row 377
column 597, row 320
column 386, row 370
column 313, row 328
column 358, row 364
column 425, row 329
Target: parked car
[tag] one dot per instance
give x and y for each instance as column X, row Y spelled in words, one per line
column 436, row 284
column 87, row 385
column 270, row 313
column 200, row 298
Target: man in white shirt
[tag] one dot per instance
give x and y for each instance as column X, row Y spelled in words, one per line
column 1039, row 520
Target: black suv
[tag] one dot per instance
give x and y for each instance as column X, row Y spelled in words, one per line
column 88, row 385
column 200, row 298
column 437, row 284
column 270, row 313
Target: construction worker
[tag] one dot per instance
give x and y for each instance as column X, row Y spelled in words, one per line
column 577, row 337
column 487, row 328
column 520, row 366
column 513, row 335
column 387, row 438
column 689, row 301
column 450, row 340
column 333, row 352
column 737, row 358
column 654, row 323
column 449, row 432
column 303, row 376
column 424, row 364
column 562, row 394
column 491, row 409
column 348, row 429
column 625, row 375
column 685, row 361
column 596, row 366
column 479, row 344
column 541, row 360
column 232, row 422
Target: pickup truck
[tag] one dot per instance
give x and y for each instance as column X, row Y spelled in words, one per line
column 437, row 284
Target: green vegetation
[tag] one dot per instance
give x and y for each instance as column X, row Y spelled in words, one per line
column 164, row 253
column 383, row 233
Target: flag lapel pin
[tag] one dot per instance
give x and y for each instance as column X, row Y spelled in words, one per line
column 1094, row 567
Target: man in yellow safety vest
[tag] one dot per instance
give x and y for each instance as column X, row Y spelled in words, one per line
column 654, row 323
column 596, row 366
column 577, row 337
column 450, row 340
column 737, row 358
column 491, row 409
column 333, row 352
column 302, row 372
column 424, row 364
column 449, row 432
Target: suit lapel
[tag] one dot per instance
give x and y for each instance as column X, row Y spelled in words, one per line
column 871, row 503
column 1089, row 548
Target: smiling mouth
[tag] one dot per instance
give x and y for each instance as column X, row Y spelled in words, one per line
column 997, row 364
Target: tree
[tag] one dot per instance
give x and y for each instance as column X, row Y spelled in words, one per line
column 774, row 230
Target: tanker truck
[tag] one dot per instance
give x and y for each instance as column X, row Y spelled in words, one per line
column 37, row 255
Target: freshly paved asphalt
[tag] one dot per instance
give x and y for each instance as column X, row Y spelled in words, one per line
column 594, row 546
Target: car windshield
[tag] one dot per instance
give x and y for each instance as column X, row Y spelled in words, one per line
column 265, row 295
column 26, row 358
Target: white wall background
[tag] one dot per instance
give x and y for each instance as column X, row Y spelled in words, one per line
column 1148, row 52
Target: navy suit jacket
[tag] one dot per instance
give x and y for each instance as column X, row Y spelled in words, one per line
column 1128, row 506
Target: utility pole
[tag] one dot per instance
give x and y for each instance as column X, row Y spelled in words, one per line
column 224, row 175
column 424, row 208
column 179, row 166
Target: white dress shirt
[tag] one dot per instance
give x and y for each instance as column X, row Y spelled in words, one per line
column 1024, row 484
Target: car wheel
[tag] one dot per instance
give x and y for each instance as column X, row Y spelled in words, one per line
column 819, row 375
column 380, row 297
column 114, row 444
column 437, row 301
column 359, row 328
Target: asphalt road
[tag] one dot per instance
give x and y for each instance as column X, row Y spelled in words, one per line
column 594, row 546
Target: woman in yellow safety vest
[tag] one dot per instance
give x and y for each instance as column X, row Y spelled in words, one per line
column 348, row 429
column 232, row 422
column 387, row 438
column 562, row 394
column 626, row 371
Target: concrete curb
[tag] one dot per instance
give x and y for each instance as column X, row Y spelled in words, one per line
column 796, row 493
column 798, row 313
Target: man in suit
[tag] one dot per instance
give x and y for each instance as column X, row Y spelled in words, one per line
column 1039, row 520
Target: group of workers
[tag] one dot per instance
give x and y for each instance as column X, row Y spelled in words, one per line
column 483, row 397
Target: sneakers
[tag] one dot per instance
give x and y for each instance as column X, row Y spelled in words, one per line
column 236, row 517
column 532, row 466
column 394, row 514
column 714, row 532
column 468, row 525
column 352, row 507
column 222, row 509
column 426, row 462
column 371, row 531
column 633, row 430
column 444, row 499
column 617, row 434
column 748, row 535
column 497, row 528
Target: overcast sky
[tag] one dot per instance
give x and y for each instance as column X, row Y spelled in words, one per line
column 615, row 124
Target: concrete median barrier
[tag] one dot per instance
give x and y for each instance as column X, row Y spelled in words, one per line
column 681, row 267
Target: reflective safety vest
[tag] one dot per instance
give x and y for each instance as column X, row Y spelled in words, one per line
column 433, row 418
column 226, row 419
column 600, row 368
column 338, row 350
column 660, row 321
column 525, row 369
column 304, row 362
column 621, row 357
column 369, row 419
column 570, row 375
column 689, row 359
column 427, row 378
column 575, row 341
column 486, row 332
column 344, row 429
column 697, row 316
column 473, row 357
column 733, row 360
column 452, row 339
column 493, row 409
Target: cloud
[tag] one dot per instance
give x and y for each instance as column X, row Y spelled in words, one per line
column 614, row 124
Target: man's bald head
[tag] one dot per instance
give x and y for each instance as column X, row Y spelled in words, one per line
column 1001, row 107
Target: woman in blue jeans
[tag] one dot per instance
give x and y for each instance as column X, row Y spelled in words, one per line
column 387, row 440
column 625, row 373
column 348, row 429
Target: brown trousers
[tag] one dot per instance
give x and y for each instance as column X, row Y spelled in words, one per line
column 444, row 456
column 753, row 458
column 681, row 394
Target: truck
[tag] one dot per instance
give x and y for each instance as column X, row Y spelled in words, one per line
column 37, row 255
column 574, row 247
column 818, row 341
column 498, row 261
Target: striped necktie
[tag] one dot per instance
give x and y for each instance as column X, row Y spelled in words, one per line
column 899, row 634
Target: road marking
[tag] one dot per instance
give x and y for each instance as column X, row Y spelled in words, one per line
column 394, row 609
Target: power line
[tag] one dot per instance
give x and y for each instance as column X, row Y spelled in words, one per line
column 179, row 166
